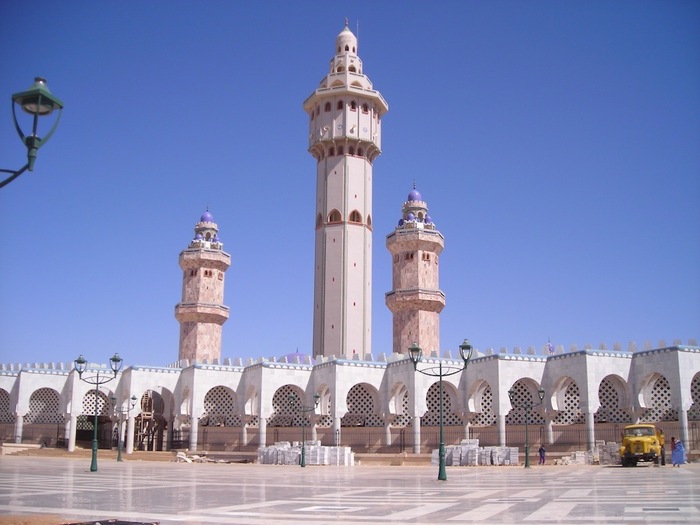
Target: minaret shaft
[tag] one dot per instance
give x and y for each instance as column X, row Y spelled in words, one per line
column 344, row 138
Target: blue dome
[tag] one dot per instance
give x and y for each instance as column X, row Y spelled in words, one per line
column 428, row 220
column 415, row 196
column 199, row 237
column 410, row 217
column 206, row 217
column 216, row 238
column 400, row 222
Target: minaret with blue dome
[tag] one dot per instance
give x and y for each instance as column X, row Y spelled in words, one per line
column 202, row 312
column 345, row 114
column 416, row 299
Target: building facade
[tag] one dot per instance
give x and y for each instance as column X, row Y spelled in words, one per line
column 368, row 400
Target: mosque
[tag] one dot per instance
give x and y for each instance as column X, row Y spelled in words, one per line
column 347, row 394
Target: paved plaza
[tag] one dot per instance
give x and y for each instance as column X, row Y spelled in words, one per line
column 149, row 491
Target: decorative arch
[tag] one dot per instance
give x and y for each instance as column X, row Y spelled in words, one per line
column 480, row 404
column 362, row 402
column 285, row 413
column 319, row 221
column 569, row 405
column 613, row 395
column 525, row 393
column 220, row 407
column 334, row 217
column 355, row 217
column 6, row 414
column 694, row 411
column 432, row 401
column 655, row 397
column 44, row 407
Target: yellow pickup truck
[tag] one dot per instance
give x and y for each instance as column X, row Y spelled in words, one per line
column 642, row 442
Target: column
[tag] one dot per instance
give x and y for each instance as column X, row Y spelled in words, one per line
column 245, row 421
column 388, row 420
column 313, row 418
column 590, row 430
column 549, row 429
column 194, row 428
column 683, row 420
column 19, row 424
column 73, row 422
column 262, row 432
column 336, row 431
column 415, row 421
column 130, row 431
column 501, row 427
column 66, row 429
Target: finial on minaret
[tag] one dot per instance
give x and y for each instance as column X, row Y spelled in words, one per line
column 347, row 22
column 414, row 184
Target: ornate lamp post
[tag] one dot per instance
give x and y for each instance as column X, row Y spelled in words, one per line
column 416, row 354
column 97, row 379
column 303, row 410
column 119, row 422
column 527, row 406
column 37, row 101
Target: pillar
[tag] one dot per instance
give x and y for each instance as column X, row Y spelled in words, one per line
column 19, row 424
column 590, row 430
column 262, row 432
column 415, row 421
column 194, row 431
column 683, row 420
column 73, row 423
column 66, row 429
column 336, row 431
column 549, row 429
column 501, row 427
column 130, row 431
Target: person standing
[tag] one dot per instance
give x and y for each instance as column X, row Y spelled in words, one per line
column 677, row 452
column 542, row 453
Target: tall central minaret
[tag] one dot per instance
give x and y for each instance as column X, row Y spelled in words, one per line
column 344, row 138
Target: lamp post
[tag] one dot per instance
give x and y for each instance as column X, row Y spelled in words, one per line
column 415, row 353
column 39, row 102
column 97, row 379
column 303, row 410
column 119, row 422
column 527, row 406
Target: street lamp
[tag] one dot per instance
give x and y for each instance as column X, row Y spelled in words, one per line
column 119, row 422
column 302, row 410
column 527, row 406
column 416, row 354
column 97, row 379
column 37, row 101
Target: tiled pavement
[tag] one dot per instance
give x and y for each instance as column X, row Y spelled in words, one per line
column 197, row 493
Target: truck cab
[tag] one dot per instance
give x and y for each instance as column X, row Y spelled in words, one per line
column 641, row 442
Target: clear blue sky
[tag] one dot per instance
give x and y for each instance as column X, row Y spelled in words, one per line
column 557, row 145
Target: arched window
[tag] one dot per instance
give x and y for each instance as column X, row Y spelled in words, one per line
column 359, row 152
column 351, row 150
column 353, row 105
column 347, row 47
column 355, row 217
column 334, row 217
column 327, row 107
column 352, row 69
column 331, row 153
column 369, row 221
column 365, row 108
column 340, row 69
column 340, row 104
column 341, row 151
column 319, row 221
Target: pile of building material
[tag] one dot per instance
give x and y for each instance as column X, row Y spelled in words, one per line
column 286, row 453
column 468, row 453
column 609, row 454
column 580, row 457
